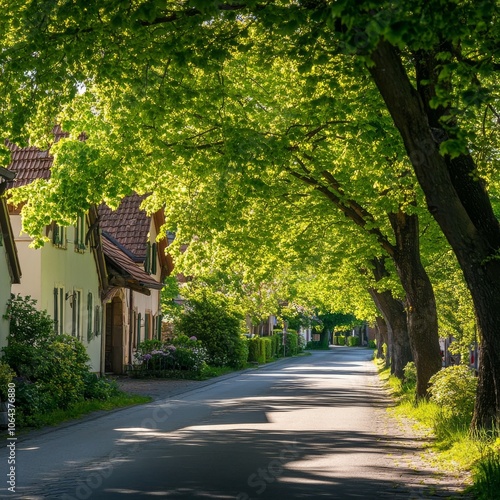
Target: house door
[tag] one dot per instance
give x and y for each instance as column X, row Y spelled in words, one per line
column 114, row 336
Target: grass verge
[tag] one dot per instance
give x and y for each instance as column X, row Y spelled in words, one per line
column 82, row 408
column 456, row 449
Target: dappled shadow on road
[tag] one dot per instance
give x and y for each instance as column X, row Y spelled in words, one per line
column 244, row 464
column 268, row 444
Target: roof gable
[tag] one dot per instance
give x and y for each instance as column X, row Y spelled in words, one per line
column 123, row 271
column 128, row 226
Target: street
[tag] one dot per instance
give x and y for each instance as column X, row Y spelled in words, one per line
column 306, row 427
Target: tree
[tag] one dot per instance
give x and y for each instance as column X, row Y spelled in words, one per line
column 433, row 64
column 307, row 154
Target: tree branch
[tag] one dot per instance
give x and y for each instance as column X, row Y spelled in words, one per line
column 349, row 208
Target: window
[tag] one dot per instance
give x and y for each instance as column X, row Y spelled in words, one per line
column 59, row 309
column 76, row 313
column 59, row 236
column 80, row 233
column 90, row 314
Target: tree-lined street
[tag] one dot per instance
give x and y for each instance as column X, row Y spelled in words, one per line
column 307, row 427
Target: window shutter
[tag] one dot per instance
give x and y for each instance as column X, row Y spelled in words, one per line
column 55, row 234
column 154, row 256
column 158, row 325
column 138, row 329
column 90, row 310
column 97, row 321
column 147, row 260
column 73, row 314
column 56, row 310
column 146, row 326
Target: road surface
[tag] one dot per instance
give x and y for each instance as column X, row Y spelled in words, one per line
column 307, row 427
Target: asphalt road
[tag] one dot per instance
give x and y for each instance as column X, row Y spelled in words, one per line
column 307, row 427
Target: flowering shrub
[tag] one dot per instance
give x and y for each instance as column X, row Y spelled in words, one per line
column 183, row 353
column 212, row 321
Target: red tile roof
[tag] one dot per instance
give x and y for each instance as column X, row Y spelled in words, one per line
column 29, row 164
column 126, row 268
column 128, row 225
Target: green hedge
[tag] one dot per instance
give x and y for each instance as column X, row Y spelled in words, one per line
column 292, row 343
column 261, row 349
column 254, row 350
column 267, row 345
column 275, row 340
column 339, row 340
column 353, row 341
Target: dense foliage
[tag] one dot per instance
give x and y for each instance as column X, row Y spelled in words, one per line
column 220, row 331
column 454, row 389
column 306, row 111
column 52, row 371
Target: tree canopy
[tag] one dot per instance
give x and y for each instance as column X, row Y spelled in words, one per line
column 213, row 107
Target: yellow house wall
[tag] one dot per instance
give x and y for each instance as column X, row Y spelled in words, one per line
column 4, row 296
column 50, row 266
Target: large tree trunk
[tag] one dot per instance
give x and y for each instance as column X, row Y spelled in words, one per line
column 461, row 206
column 394, row 314
column 420, row 301
column 381, row 337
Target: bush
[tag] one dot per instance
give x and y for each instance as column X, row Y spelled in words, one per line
column 32, row 399
column 291, row 342
column 267, row 348
column 276, row 345
column 340, row 340
column 99, row 388
column 52, row 370
column 30, row 332
column 183, row 354
column 218, row 329
column 454, row 389
column 353, row 341
column 63, row 373
column 372, row 344
column 301, row 342
column 410, row 374
column 6, row 376
column 255, row 350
